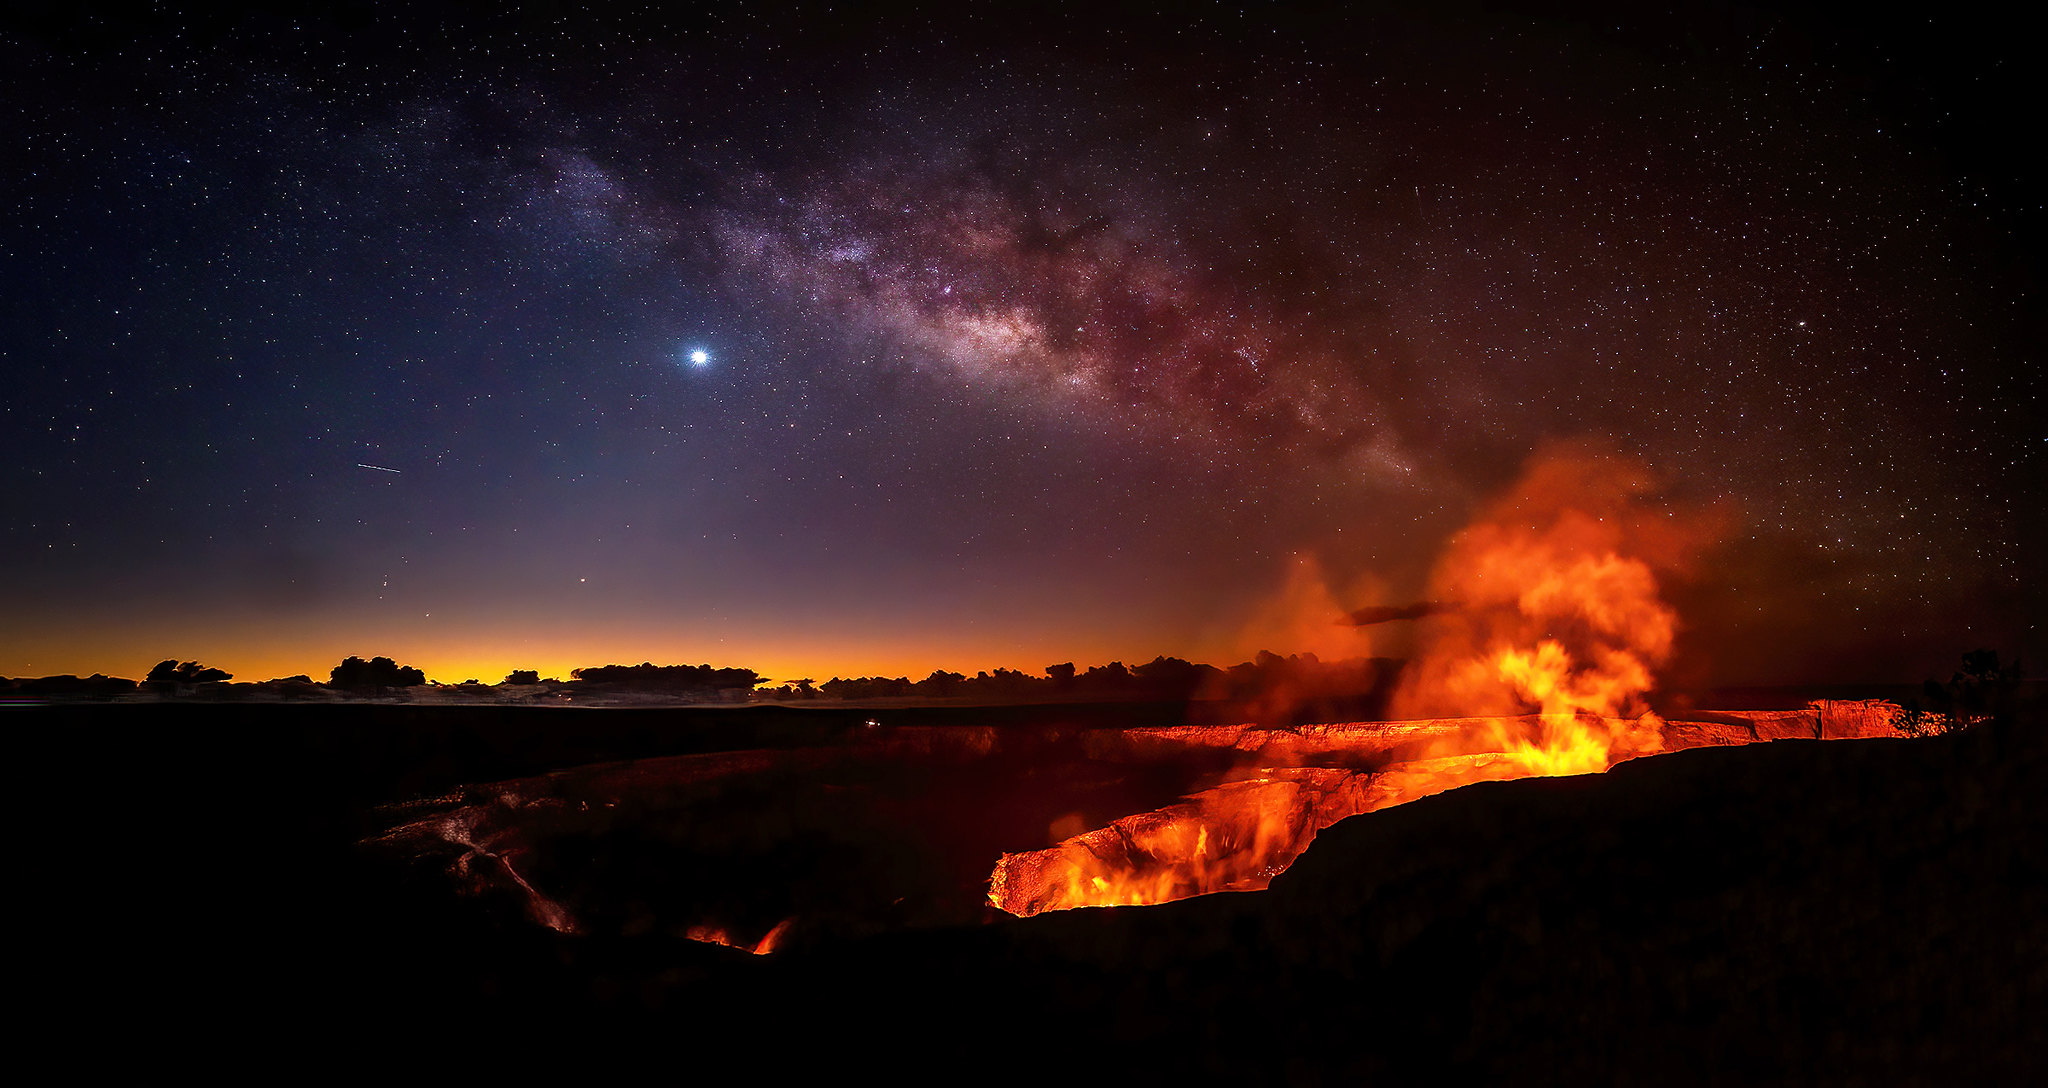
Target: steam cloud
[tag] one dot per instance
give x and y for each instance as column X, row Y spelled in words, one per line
column 1560, row 605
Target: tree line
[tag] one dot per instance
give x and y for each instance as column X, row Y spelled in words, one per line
column 1162, row 677
column 355, row 674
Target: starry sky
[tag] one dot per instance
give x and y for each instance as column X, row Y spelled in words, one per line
column 832, row 342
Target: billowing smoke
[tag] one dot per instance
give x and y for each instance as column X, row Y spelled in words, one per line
column 1559, row 604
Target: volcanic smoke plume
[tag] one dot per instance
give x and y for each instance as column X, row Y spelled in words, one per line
column 1539, row 644
column 1559, row 611
column 1542, row 664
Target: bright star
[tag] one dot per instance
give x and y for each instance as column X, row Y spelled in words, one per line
column 699, row 357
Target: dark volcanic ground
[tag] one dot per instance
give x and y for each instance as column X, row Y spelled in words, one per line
column 1848, row 911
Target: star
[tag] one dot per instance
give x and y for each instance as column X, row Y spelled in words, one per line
column 699, row 357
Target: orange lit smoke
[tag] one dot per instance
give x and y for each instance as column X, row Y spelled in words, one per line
column 1544, row 664
column 1557, row 603
column 1338, row 656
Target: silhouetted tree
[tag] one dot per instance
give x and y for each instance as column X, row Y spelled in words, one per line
column 292, row 688
column 648, row 676
column 1010, row 682
column 1982, row 690
column 866, row 687
column 940, row 683
column 378, row 672
column 96, row 686
column 1105, row 679
column 800, row 689
column 172, row 671
column 1171, row 677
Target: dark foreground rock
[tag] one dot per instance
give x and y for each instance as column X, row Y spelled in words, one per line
column 1844, row 912
column 1862, row 911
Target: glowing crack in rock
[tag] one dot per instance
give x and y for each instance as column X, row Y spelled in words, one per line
column 1240, row 834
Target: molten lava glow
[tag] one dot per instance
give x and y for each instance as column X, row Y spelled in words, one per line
column 1546, row 661
column 1233, row 837
column 718, row 935
column 1559, row 613
column 1240, row 834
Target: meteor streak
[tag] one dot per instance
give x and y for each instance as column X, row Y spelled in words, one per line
column 379, row 468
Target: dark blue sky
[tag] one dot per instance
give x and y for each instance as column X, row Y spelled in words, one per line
column 1030, row 338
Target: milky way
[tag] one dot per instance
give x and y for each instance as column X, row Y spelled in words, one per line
column 1028, row 280
column 1019, row 337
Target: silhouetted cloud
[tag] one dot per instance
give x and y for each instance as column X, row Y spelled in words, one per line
column 1387, row 613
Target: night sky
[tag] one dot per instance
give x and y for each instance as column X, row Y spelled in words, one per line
column 844, row 343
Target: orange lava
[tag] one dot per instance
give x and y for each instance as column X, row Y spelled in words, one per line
column 1238, row 835
column 1546, row 659
column 718, row 935
column 1232, row 837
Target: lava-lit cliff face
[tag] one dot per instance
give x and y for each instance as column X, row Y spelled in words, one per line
column 1230, row 837
column 1542, row 659
column 1239, row 834
column 897, row 827
column 1538, row 656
